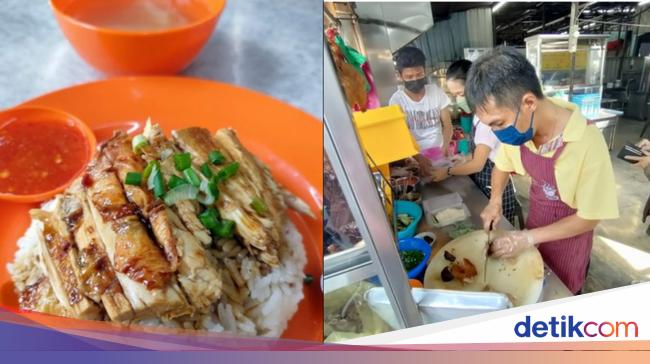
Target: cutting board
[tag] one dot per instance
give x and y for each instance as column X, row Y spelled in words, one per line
column 520, row 278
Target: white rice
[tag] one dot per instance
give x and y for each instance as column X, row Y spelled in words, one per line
column 275, row 295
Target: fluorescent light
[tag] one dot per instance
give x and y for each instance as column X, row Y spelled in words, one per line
column 501, row 4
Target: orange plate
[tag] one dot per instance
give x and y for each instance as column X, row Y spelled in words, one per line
column 287, row 139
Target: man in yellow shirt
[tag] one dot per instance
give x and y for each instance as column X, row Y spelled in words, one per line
column 573, row 185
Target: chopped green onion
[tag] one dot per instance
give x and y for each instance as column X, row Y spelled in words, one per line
column 133, row 178
column 138, row 142
column 212, row 211
column 192, row 177
column 214, row 189
column 183, row 161
column 226, row 229
column 151, row 174
column 175, row 181
column 205, row 169
column 156, row 182
column 226, row 172
column 181, row 192
column 259, row 206
column 205, row 196
column 209, row 218
column 159, row 185
column 148, row 169
column 216, row 157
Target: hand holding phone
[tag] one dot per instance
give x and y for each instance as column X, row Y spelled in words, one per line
column 630, row 149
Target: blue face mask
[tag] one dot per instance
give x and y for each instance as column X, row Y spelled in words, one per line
column 512, row 136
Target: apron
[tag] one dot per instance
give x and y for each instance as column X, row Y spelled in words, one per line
column 569, row 257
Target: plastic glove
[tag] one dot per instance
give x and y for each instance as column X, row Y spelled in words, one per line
column 512, row 244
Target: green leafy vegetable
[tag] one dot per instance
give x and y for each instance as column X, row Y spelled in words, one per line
column 411, row 258
column 403, row 221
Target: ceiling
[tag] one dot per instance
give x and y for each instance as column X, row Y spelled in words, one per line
column 517, row 20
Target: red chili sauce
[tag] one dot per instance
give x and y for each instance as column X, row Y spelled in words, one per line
column 37, row 157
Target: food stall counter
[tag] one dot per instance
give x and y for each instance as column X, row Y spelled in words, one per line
column 475, row 201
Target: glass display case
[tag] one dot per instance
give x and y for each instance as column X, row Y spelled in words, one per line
column 359, row 240
column 571, row 76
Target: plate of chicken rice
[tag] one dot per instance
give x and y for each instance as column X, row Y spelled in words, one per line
column 205, row 223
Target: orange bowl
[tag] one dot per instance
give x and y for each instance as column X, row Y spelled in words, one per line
column 138, row 37
column 47, row 115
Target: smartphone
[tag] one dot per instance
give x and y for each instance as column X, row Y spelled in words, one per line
column 630, row 149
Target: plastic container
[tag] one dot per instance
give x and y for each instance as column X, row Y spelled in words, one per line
column 421, row 245
column 463, row 147
column 434, row 205
column 412, row 209
column 385, row 135
column 436, row 305
column 466, row 123
column 433, row 154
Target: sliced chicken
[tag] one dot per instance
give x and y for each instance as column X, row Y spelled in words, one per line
column 161, row 148
column 142, row 270
column 250, row 183
column 119, row 154
column 59, row 259
column 39, row 296
column 200, row 281
column 97, row 275
column 256, row 231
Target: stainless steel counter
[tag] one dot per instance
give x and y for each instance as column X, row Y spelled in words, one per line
column 274, row 47
column 476, row 201
column 606, row 121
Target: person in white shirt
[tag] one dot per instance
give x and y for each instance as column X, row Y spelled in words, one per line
column 425, row 106
column 486, row 144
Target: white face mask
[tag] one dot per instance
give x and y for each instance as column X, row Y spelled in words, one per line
column 461, row 102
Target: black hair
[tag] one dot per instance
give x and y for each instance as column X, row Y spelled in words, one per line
column 503, row 75
column 409, row 57
column 458, row 70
